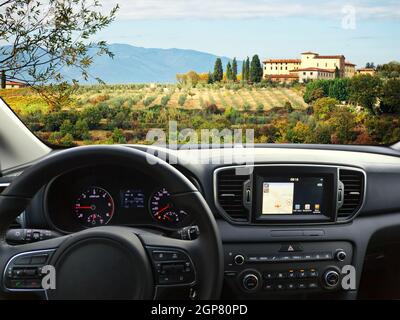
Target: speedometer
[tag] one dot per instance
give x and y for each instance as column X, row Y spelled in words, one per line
column 163, row 209
column 94, row 207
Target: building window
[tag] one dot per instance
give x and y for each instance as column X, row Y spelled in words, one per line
column 304, row 73
column 311, row 73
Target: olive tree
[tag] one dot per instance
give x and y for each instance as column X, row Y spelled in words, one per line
column 44, row 37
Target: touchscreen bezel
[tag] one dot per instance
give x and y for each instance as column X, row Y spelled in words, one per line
column 330, row 175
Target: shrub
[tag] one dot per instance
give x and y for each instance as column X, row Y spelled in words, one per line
column 182, row 99
column 149, row 100
column 118, row 136
column 81, row 130
column 246, row 107
column 323, row 107
column 67, row 128
column 92, row 116
column 288, row 107
column 260, row 108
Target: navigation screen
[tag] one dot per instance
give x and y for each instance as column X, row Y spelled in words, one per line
column 295, row 196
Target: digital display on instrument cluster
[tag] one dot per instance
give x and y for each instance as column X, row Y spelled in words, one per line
column 132, row 199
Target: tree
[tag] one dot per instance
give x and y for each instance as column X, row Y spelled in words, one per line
column 210, row 79
column 370, row 65
column 3, row 79
column 323, row 107
column 390, row 102
column 247, row 74
column 234, row 70
column 256, row 71
column 229, row 72
column 337, row 73
column 339, row 89
column 244, row 70
column 44, row 37
column 218, row 70
column 365, row 91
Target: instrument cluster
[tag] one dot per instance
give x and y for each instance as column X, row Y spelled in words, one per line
column 98, row 196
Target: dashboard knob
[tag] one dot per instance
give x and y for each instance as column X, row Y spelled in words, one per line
column 341, row 255
column 331, row 278
column 239, row 259
column 250, row 282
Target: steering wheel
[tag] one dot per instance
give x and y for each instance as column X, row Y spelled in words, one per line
column 112, row 262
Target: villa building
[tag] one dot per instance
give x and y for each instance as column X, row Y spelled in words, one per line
column 368, row 71
column 311, row 66
column 15, row 85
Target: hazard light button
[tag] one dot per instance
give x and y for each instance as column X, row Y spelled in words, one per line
column 290, row 248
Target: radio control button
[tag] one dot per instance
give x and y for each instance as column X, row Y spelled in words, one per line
column 239, row 259
column 250, row 282
column 340, row 256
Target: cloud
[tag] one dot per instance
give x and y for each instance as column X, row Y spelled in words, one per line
column 235, row 9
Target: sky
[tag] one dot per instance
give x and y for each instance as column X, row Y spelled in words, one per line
column 362, row 30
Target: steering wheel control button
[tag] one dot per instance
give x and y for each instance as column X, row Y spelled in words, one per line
column 331, row 278
column 23, row 272
column 239, row 259
column 172, row 267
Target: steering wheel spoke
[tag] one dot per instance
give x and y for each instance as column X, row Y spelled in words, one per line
column 25, row 265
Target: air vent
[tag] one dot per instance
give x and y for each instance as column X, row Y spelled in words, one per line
column 230, row 194
column 353, row 193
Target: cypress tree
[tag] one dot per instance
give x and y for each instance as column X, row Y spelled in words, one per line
column 244, row 70
column 229, row 73
column 3, row 79
column 210, row 79
column 234, row 70
column 218, row 71
column 247, row 71
column 256, row 71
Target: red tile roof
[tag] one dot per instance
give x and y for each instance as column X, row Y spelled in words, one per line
column 329, row 57
column 350, row 64
column 309, row 52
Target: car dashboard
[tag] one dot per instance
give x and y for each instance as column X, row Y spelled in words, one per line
column 291, row 219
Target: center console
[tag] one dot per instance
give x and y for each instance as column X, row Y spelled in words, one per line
column 289, row 199
column 298, row 268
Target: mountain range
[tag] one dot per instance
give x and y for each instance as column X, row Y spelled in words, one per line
column 144, row 65
column 132, row 64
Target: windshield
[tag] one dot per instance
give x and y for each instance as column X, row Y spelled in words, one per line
column 259, row 71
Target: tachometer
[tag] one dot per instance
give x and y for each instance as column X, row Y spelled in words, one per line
column 94, row 207
column 163, row 209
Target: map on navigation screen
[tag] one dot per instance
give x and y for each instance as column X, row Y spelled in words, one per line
column 277, row 198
